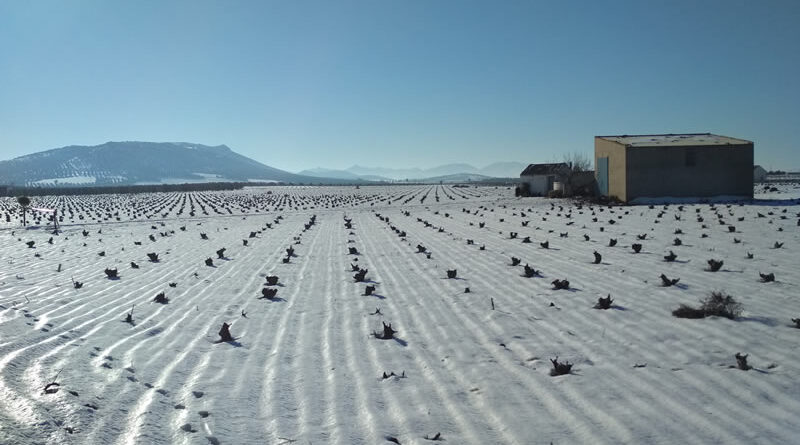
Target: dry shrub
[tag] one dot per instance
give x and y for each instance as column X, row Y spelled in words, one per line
column 717, row 304
column 722, row 305
column 685, row 311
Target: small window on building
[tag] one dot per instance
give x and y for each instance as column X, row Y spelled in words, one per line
column 690, row 158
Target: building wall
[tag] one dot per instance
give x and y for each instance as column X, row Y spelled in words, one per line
column 536, row 184
column 617, row 164
column 689, row 171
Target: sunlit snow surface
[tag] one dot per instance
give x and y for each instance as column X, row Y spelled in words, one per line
column 306, row 368
column 77, row 180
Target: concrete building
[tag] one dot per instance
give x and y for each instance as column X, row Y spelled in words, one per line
column 759, row 174
column 539, row 179
column 673, row 165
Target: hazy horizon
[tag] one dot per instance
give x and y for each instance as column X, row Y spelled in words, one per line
column 329, row 85
column 382, row 167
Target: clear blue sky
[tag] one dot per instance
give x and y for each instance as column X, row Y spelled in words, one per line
column 298, row 84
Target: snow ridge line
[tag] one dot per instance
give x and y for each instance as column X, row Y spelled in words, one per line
column 422, row 320
column 472, row 266
column 392, row 419
column 561, row 326
column 276, row 400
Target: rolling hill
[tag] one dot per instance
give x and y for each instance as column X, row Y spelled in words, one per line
column 131, row 162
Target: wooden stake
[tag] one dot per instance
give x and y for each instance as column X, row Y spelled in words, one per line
column 492, row 303
column 57, row 374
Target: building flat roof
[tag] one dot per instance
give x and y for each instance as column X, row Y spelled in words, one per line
column 661, row 140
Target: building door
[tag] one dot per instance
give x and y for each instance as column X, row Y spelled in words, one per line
column 602, row 175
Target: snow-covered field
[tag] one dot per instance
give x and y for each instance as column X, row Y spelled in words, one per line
column 463, row 368
column 77, row 180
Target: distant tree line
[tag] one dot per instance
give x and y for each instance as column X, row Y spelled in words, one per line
column 9, row 190
column 13, row 190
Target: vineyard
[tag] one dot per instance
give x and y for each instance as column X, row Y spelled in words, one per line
column 404, row 314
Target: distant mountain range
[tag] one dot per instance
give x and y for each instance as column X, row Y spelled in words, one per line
column 496, row 170
column 132, row 162
column 456, row 178
column 339, row 174
column 128, row 163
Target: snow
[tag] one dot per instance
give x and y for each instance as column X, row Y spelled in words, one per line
column 305, row 367
column 262, row 180
column 784, row 192
column 78, row 179
column 687, row 200
column 207, row 175
column 67, row 180
column 77, row 164
column 204, row 178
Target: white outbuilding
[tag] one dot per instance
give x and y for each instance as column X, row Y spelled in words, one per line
column 759, row 174
column 539, row 179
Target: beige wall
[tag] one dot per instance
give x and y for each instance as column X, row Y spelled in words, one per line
column 617, row 163
column 663, row 171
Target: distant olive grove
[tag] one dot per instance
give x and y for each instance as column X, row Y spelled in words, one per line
column 97, row 190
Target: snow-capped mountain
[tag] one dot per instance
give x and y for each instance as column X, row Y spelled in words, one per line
column 124, row 163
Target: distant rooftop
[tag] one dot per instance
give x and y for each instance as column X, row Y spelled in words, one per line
column 655, row 140
column 543, row 169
